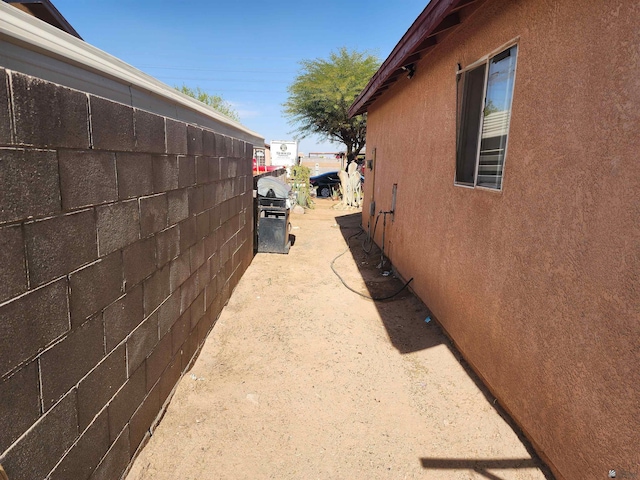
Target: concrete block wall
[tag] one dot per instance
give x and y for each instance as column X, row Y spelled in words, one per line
column 122, row 235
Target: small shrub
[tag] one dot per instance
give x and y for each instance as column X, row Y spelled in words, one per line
column 300, row 184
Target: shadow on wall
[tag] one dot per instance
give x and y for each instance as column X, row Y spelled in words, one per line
column 411, row 327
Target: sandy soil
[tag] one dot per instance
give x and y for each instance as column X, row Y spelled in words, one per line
column 303, row 379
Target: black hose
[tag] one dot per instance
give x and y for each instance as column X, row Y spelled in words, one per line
column 375, row 299
column 369, row 239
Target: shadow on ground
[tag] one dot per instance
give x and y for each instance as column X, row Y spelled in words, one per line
column 407, row 333
column 412, row 333
column 480, row 466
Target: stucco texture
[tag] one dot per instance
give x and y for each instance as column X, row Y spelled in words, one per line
column 537, row 284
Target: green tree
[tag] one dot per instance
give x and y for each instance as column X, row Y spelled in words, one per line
column 214, row 101
column 321, row 94
column 490, row 108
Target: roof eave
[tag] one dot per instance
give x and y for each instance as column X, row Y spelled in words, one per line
column 47, row 12
column 439, row 15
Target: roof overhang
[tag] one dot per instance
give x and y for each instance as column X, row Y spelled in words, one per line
column 45, row 11
column 438, row 19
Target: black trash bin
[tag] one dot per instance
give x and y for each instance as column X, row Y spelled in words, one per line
column 273, row 216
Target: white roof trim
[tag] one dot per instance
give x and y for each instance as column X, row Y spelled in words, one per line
column 31, row 46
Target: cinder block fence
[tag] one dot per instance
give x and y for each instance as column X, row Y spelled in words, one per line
column 122, row 235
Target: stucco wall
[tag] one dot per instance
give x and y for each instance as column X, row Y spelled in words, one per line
column 537, row 285
column 122, row 235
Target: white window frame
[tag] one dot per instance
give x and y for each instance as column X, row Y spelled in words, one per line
column 485, row 60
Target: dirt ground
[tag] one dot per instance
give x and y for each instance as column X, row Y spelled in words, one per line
column 303, row 379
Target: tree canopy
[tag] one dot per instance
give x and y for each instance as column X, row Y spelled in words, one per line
column 320, row 97
column 214, row 101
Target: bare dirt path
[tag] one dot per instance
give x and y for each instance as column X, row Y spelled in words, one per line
column 302, row 379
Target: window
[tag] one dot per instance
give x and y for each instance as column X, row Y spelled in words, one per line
column 484, row 97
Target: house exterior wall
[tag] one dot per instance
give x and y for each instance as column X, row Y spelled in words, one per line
column 122, row 235
column 538, row 284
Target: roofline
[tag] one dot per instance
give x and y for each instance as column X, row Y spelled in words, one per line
column 30, row 46
column 438, row 16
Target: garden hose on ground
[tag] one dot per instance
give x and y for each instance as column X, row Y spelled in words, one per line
column 375, row 299
column 370, row 237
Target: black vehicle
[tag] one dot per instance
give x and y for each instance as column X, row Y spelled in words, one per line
column 324, row 183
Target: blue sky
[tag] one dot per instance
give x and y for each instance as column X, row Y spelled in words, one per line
column 245, row 50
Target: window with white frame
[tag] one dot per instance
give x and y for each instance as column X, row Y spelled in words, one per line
column 485, row 91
